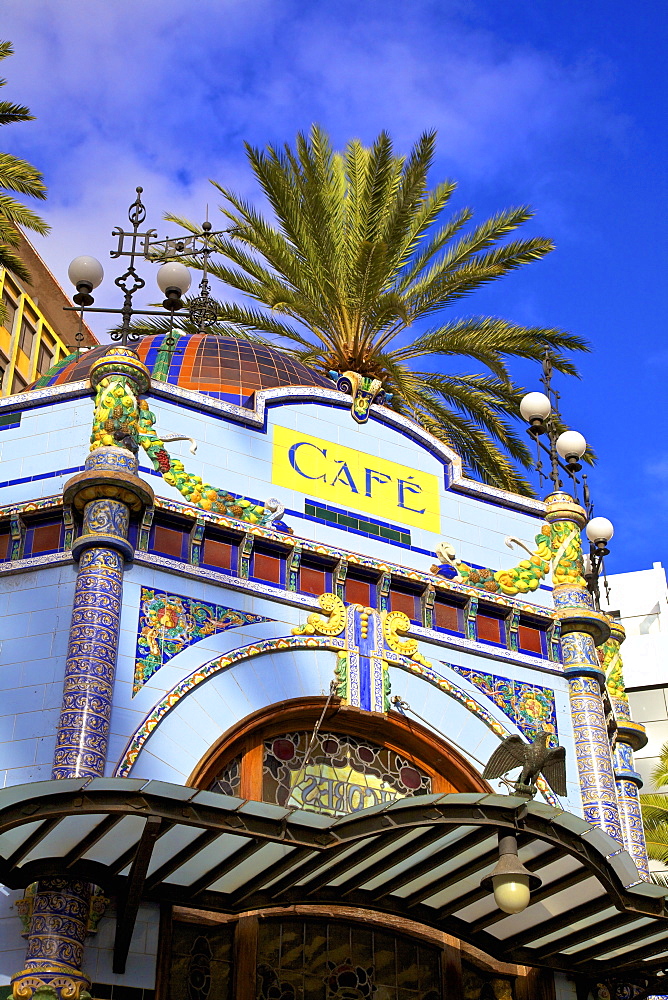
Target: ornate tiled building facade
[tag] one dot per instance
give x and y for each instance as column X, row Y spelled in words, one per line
column 225, row 569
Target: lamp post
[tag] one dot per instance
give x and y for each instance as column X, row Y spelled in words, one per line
column 583, row 626
column 608, row 781
column 599, row 531
column 565, row 449
column 107, row 494
column 173, row 278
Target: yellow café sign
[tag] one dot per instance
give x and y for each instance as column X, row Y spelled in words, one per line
column 350, row 478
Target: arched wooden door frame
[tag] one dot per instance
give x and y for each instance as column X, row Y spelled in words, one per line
column 447, row 767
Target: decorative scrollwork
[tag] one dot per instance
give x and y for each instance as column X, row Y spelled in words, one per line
column 106, row 517
column 137, row 210
column 333, row 625
column 393, row 623
column 202, row 310
column 51, row 982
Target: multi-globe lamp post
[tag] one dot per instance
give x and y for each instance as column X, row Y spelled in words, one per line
column 86, row 274
column 173, row 277
column 510, row 881
column 565, row 451
column 107, row 493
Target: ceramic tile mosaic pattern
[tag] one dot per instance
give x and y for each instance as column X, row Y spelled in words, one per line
column 363, row 525
column 216, row 366
column 169, row 623
column 530, row 706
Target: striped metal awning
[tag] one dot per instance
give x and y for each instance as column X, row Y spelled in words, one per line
column 420, row 857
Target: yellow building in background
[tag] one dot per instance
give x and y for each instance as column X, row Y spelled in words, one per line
column 35, row 332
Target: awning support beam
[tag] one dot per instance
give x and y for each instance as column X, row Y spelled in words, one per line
column 128, row 906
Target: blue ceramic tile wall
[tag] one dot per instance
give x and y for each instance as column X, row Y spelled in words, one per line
column 140, row 969
column 224, row 699
column 53, row 440
column 467, row 733
column 12, row 945
column 50, row 439
column 36, row 612
column 129, row 710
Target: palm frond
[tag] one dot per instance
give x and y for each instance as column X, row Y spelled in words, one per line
column 507, row 339
column 12, row 261
column 660, row 772
column 20, row 177
column 356, row 250
column 656, row 839
column 10, row 113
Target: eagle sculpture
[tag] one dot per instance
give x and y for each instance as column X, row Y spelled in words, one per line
column 534, row 758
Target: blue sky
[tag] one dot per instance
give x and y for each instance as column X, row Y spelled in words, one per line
column 561, row 105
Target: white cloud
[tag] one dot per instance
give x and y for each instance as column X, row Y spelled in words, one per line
column 162, row 93
column 658, row 469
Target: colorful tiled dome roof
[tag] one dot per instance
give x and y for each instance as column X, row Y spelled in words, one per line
column 216, row 366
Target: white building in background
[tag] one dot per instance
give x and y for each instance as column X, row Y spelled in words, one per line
column 640, row 600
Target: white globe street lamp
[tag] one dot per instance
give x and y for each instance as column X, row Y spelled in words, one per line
column 85, row 273
column 571, row 446
column 536, row 408
column 174, row 281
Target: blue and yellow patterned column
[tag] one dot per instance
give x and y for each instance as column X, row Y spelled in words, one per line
column 630, row 736
column 106, row 493
column 582, row 630
column 58, row 927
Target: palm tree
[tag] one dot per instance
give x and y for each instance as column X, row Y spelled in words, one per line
column 19, row 177
column 655, row 817
column 357, row 253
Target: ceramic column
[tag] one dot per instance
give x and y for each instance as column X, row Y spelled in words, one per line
column 582, row 630
column 630, row 736
column 105, row 493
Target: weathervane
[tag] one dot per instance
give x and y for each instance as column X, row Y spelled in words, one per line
column 173, row 278
column 202, row 310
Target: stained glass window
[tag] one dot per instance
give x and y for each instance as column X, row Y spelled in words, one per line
column 479, row 985
column 228, row 782
column 317, row 960
column 336, row 774
column 201, row 962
